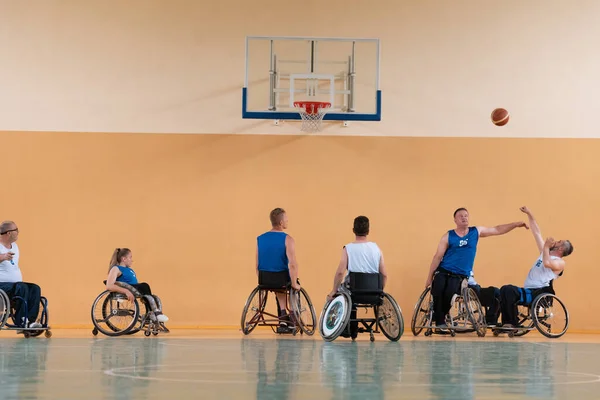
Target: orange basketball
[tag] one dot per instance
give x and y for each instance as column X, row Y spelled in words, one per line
column 500, row 117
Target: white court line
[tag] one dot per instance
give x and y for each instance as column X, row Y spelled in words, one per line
column 116, row 373
column 542, row 344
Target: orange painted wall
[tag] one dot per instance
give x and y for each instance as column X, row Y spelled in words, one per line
column 190, row 207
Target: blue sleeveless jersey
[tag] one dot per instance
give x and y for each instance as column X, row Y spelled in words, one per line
column 460, row 255
column 272, row 256
column 127, row 276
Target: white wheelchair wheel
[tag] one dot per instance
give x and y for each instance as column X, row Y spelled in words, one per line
column 335, row 317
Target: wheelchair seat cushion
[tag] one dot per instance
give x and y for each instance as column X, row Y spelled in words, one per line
column 274, row 280
column 368, row 299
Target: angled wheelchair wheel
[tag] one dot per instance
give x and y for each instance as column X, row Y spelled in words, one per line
column 255, row 306
column 550, row 316
column 335, row 317
column 4, row 308
column 389, row 318
column 422, row 314
column 303, row 310
column 475, row 311
column 113, row 314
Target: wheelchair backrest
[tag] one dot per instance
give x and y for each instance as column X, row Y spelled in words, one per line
column 360, row 282
column 365, row 288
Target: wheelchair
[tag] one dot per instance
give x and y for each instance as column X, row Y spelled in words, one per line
column 466, row 314
column 543, row 313
column 298, row 305
column 7, row 311
column 361, row 290
column 114, row 315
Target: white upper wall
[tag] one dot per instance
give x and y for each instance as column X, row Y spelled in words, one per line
column 177, row 66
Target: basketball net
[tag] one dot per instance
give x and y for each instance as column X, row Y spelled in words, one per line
column 312, row 113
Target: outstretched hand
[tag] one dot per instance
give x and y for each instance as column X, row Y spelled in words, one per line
column 522, row 224
column 525, row 210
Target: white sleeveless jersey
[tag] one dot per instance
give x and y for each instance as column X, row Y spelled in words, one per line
column 363, row 257
column 540, row 276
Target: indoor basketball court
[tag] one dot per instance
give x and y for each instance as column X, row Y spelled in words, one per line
column 219, row 365
column 247, row 167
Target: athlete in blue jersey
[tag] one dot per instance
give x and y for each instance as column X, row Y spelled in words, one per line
column 276, row 252
column 120, row 270
column 454, row 260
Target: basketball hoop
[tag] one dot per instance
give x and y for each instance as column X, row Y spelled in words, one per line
column 312, row 113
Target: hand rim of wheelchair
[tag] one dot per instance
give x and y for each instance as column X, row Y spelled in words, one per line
column 541, row 326
column 476, row 316
column 417, row 329
column 298, row 312
column 398, row 314
column 114, row 331
column 246, row 328
column 330, row 330
column 5, row 309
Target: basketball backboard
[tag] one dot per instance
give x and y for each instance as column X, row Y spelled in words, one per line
column 341, row 71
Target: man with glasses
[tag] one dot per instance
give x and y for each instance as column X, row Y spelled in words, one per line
column 11, row 279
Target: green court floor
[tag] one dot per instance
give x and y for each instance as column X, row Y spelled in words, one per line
column 289, row 368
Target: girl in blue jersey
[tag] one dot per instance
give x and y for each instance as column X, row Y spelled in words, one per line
column 120, row 270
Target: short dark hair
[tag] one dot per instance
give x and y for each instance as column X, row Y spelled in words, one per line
column 567, row 248
column 276, row 216
column 459, row 210
column 361, row 226
column 6, row 226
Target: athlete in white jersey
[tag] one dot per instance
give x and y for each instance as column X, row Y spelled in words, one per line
column 11, row 279
column 548, row 266
column 359, row 256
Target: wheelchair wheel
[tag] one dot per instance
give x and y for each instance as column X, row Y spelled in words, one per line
column 422, row 313
column 4, row 308
column 525, row 321
column 255, row 306
column 335, row 317
column 389, row 318
column 303, row 310
column 475, row 311
column 113, row 314
column 550, row 316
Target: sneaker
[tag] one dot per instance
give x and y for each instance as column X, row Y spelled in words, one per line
column 285, row 329
column 35, row 325
column 162, row 318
